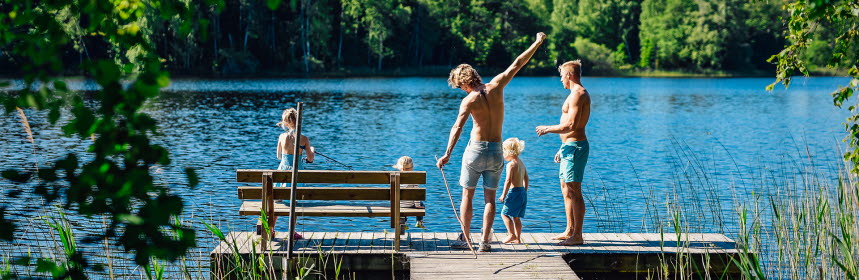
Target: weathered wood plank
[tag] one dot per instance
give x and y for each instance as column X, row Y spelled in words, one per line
column 342, row 244
column 531, row 242
column 252, row 208
column 490, row 266
column 334, row 193
column 332, row 176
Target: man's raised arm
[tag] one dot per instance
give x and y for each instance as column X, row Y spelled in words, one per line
column 504, row 78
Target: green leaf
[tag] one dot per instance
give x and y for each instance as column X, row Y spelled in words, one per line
column 163, row 80
column 7, row 226
column 272, row 4
column 193, row 180
column 15, row 176
column 46, row 265
column 215, row 230
column 131, row 219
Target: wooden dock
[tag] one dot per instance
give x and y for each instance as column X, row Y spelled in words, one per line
column 427, row 255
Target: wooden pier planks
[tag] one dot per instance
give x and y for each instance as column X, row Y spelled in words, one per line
column 539, row 256
column 439, row 242
column 489, row 266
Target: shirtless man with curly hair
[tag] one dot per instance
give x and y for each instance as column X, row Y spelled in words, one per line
column 483, row 156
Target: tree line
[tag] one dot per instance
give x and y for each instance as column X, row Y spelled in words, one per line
column 239, row 37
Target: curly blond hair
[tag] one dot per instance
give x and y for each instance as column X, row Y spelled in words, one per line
column 513, row 146
column 463, row 74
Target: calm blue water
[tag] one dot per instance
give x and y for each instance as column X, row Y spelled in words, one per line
column 695, row 142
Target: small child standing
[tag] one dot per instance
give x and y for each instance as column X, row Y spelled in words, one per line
column 515, row 195
column 405, row 163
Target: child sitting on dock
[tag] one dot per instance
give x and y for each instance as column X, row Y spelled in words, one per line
column 286, row 148
column 405, row 164
column 515, row 195
column 286, row 142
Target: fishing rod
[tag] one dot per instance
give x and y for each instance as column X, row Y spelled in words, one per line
column 453, row 206
column 334, row 160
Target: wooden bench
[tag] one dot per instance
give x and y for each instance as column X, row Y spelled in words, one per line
column 267, row 195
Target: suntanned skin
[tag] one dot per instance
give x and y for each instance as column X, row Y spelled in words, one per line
column 487, row 116
column 514, row 225
column 575, row 114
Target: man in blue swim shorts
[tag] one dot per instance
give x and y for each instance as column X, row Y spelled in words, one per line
column 483, row 157
column 573, row 154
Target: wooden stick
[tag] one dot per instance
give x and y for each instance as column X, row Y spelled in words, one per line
column 295, row 157
column 455, row 213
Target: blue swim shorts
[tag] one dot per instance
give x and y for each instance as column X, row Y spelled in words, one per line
column 481, row 159
column 515, row 202
column 574, row 157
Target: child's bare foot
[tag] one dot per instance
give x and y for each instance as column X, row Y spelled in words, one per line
column 571, row 242
column 510, row 239
column 563, row 236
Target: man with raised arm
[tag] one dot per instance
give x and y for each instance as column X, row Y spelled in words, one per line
column 573, row 155
column 483, row 156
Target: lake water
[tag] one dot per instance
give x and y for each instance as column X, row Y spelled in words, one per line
column 696, row 144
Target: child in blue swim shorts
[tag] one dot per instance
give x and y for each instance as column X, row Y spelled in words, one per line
column 515, row 195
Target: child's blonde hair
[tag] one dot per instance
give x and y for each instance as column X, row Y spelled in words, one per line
column 513, row 146
column 404, row 162
column 289, row 116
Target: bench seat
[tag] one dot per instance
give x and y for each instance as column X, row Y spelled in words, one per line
column 252, row 208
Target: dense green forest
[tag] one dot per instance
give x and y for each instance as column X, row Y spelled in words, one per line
column 427, row 37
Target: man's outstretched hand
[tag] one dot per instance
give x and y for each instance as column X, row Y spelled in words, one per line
column 442, row 161
column 542, row 130
column 541, row 37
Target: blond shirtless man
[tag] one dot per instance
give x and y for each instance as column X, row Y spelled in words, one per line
column 483, row 156
column 573, row 154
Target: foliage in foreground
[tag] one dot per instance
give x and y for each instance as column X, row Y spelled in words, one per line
column 112, row 177
column 840, row 17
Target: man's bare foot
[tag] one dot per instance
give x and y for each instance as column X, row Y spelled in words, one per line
column 562, row 236
column 510, row 239
column 571, row 242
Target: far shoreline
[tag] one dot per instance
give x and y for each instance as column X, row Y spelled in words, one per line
column 442, row 71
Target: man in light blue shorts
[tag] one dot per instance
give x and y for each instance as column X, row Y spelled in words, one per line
column 574, row 157
column 573, row 154
column 483, row 157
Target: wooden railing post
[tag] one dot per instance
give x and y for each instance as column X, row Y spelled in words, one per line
column 395, row 209
column 268, row 209
column 294, row 186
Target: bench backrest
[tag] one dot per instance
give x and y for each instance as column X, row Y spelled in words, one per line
column 338, row 193
column 333, row 177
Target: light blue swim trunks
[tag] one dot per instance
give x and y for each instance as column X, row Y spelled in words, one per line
column 574, row 157
column 484, row 159
column 515, row 202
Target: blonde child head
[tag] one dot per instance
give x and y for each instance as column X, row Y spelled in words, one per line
column 513, row 147
column 404, row 164
column 288, row 118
